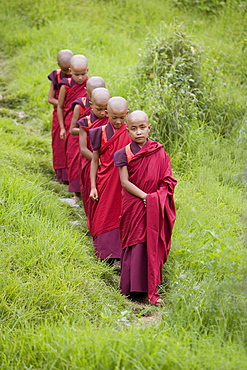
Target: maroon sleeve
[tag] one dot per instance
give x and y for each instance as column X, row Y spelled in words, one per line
column 66, row 82
column 83, row 122
column 95, row 137
column 53, row 78
column 120, row 158
column 78, row 101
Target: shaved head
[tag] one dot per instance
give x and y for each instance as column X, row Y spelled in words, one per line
column 117, row 103
column 94, row 82
column 78, row 61
column 137, row 115
column 64, row 57
column 100, row 95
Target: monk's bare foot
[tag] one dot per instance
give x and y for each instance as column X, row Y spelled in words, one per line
column 159, row 302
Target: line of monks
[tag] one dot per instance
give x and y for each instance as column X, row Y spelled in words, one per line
column 123, row 178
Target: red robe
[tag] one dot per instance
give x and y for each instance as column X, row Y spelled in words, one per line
column 150, row 170
column 74, row 91
column 87, row 123
column 84, row 105
column 58, row 145
column 106, row 211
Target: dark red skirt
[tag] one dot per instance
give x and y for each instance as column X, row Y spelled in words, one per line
column 134, row 269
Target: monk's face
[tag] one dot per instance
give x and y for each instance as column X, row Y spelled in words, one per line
column 99, row 108
column 139, row 129
column 64, row 68
column 117, row 116
column 79, row 74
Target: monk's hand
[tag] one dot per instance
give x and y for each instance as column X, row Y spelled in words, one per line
column 144, row 201
column 94, row 194
column 63, row 134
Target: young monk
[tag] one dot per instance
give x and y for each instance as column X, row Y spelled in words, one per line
column 56, row 76
column 71, row 89
column 148, row 211
column 99, row 100
column 82, row 105
column 82, row 108
column 105, row 183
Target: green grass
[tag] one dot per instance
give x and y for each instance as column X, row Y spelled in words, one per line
column 59, row 307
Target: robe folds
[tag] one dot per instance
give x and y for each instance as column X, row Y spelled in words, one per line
column 74, row 167
column 150, row 170
column 73, row 92
column 58, row 145
column 106, row 211
column 87, row 123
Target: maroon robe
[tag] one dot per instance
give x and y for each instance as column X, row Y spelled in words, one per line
column 73, row 91
column 74, row 168
column 84, row 104
column 58, row 145
column 106, row 211
column 87, row 123
column 150, row 170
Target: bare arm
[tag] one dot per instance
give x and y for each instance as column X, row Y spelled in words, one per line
column 74, row 129
column 60, row 106
column 83, row 144
column 129, row 186
column 51, row 96
column 93, row 174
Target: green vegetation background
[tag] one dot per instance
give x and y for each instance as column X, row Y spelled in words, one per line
column 61, row 309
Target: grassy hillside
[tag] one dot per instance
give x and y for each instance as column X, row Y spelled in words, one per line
column 59, row 307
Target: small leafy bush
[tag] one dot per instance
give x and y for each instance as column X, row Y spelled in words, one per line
column 170, row 88
column 168, row 84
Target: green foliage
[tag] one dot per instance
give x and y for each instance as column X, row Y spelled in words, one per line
column 207, row 6
column 168, row 84
column 59, row 307
column 170, row 87
column 174, row 58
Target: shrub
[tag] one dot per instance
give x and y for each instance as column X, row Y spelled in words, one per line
column 168, row 82
column 170, row 88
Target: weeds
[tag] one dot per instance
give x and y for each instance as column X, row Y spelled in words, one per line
column 61, row 309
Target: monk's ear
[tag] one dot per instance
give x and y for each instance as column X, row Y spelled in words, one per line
column 90, row 103
column 106, row 112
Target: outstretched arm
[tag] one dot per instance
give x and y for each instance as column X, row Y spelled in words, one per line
column 74, row 129
column 129, row 186
column 51, row 96
column 60, row 106
column 93, row 174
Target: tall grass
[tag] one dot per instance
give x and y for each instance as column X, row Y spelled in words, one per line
column 59, row 307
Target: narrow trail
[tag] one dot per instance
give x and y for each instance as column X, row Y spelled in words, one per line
column 11, row 107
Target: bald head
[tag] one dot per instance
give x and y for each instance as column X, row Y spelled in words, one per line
column 117, row 110
column 78, row 61
column 64, row 57
column 117, row 103
column 94, row 82
column 138, row 127
column 137, row 115
column 100, row 95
